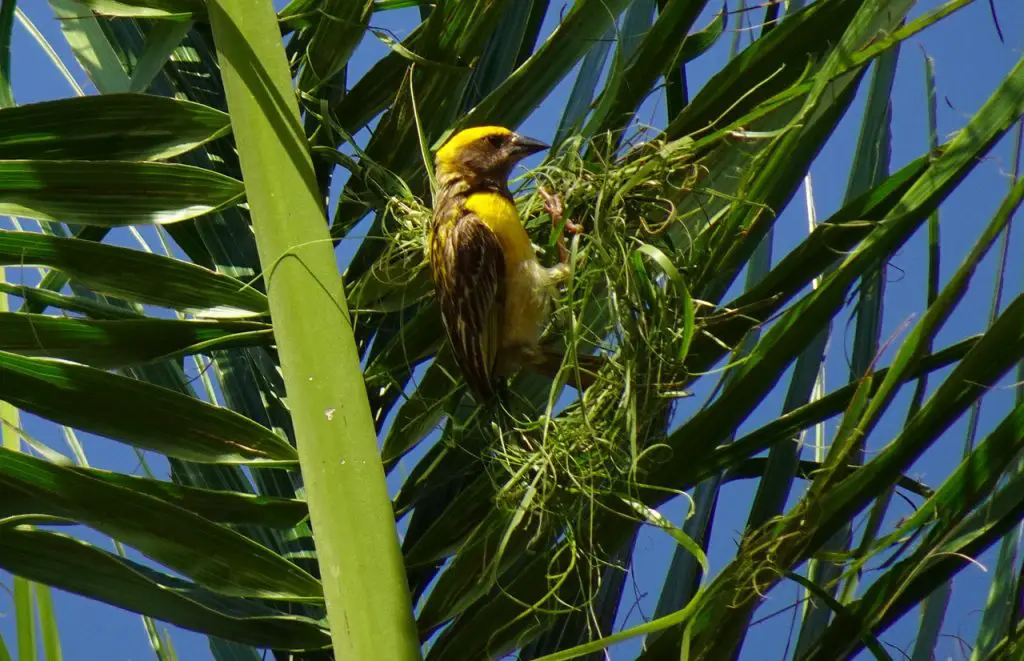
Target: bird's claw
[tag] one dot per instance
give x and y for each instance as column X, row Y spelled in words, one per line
column 552, row 204
column 556, row 209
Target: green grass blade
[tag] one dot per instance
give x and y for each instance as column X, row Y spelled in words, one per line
column 7, row 8
column 929, row 630
column 841, row 613
column 687, row 570
column 78, row 567
column 108, row 127
column 340, row 28
column 499, row 57
column 175, row 9
column 112, row 193
column 772, row 64
column 150, row 417
column 959, row 529
column 91, row 47
column 24, row 613
column 934, row 606
column 47, row 622
column 1006, row 581
column 162, row 40
column 10, row 422
column 181, row 540
column 113, row 344
column 870, row 167
column 598, row 619
column 582, row 95
column 786, row 428
column 512, row 101
column 915, row 205
column 933, row 320
column 218, row 506
column 1002, row 109
column 156, row 280
column 636, row 69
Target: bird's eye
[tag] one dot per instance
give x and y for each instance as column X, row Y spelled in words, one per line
column 496, row 140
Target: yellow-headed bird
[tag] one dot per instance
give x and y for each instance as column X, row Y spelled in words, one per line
column 492, row 291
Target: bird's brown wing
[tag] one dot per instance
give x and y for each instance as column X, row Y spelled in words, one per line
column 471, row 293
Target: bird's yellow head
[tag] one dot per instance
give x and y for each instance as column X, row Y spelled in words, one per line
column 487, row 151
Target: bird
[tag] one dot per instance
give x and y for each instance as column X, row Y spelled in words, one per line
column 493, row 293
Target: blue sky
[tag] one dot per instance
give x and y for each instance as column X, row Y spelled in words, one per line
column 970, row 61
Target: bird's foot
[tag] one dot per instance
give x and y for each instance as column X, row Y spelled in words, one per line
column 552, row 204
column 556, row 209
column 559, row 273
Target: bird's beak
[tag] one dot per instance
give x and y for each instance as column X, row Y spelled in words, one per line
column 523, row 146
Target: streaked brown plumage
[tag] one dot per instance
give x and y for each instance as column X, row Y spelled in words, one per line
column 492, row 291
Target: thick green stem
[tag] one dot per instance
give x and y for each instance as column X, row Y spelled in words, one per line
column 360, row 561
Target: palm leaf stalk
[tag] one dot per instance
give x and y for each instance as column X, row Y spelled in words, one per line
column 357, row 547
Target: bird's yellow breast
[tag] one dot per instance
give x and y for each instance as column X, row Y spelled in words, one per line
column 500, row 215
column 527, row 283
